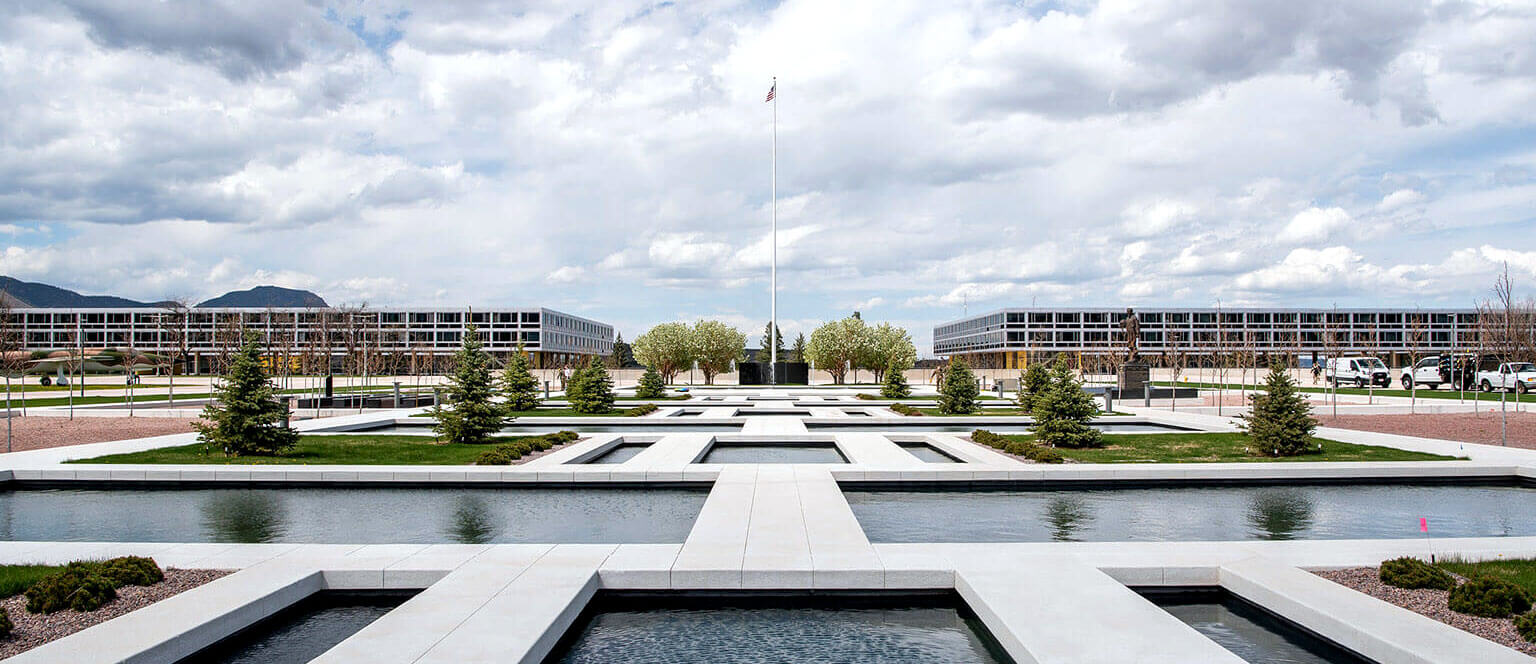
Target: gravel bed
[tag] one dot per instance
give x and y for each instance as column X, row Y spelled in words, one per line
column 1465, row 427
column 33, row 629
column 36, row 432
column 1430, row 603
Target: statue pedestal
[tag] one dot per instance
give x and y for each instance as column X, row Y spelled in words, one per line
column 1134, row 378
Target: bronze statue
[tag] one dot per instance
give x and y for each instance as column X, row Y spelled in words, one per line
column 1132, row 327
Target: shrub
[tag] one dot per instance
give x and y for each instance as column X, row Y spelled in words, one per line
column 1063, row 410
column 565, row 436
column 77, row 587
column 542, row 443
column 1414, row 573
column 643, row 409
column 651, row 385
column 988, row 438
column 131, row 571
column 866, row 396
column 5, row 624
column 1280, row 422
column 904, row 409
column 1525, row 624
column 895, row 385
column 1017, row 447
column 1042, row 454
column 244, row 418
column 1490, row 597
column 958, row 393
column 518, row 385
column 497, row 456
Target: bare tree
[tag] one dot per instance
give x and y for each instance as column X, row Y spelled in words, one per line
column 172, row 321
column 13, row 357
column 1417, row 331
column 1332, row 345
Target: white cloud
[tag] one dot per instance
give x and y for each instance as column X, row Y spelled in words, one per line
column 1315, row 225
column 566, row 274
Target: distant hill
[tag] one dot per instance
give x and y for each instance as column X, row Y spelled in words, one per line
column 267, row 296
column 30, row 294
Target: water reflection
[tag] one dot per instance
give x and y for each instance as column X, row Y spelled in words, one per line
column 1067, row 515
column 472, row 521
column 245, row 516
column 1280, row 514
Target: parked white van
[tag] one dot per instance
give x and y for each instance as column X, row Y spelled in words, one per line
column 1357, row 371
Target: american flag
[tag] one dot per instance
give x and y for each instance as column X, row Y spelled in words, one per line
column 771, row 91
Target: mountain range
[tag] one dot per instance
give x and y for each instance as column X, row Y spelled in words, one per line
column 18, row 293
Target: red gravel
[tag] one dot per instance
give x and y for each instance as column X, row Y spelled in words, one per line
column 34, row 629
column 1465, row 427
column 36, row 432
column 1430, row 603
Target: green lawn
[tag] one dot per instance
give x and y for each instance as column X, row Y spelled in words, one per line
column 15, row 579
column 1219, row 447
column 985, row 412
column 921, row 397
column 1521, row 572
column 1424, row 393
column 679, row 397
column 321, row 450
column 618, row 411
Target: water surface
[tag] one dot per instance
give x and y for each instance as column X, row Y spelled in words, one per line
column 1315, row 511
column 772, row 453
column 937, row 425
column 1249, row 632
column 353, row 515
column 776, row 634
column 302, row 632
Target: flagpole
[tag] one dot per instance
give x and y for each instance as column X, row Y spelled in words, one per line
column 773, row 281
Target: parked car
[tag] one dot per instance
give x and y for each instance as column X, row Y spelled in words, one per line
column 1436, row 370
column 1358, row 371
column 1517, row 376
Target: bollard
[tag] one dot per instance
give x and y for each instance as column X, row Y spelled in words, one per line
column 1146, row 395
column 1109, row 402
column 397, row 394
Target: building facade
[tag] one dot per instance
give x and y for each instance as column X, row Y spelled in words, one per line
column 312, row 339
column 1009, row 338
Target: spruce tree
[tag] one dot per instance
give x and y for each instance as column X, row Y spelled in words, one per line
column 623, row 353
column 957, row 395
column 1033, row 382
column 895, row 386
column 518, row 386
column 591, row 389
column 1280, row 422
column 245, row 418
column 651, row 385
column 470, row 416
column 1062, row 412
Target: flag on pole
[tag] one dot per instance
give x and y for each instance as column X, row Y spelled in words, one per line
column 771, row 91
column 1423, row 525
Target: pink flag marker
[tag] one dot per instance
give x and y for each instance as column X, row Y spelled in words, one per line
column 1423, row 525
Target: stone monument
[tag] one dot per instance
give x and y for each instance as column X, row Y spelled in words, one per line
column 1135, row 375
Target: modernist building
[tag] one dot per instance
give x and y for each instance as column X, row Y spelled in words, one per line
column 1009, row 338
column 307, row 336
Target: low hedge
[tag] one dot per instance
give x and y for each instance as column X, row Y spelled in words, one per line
column 1526, row 625
column 505, row 453
column 904, row 409
column 1490, row 598
column 1027, row 449
column 86, row 585
column 1413, row 573
column 5, row 625
column 867, row 396
column 642, row 409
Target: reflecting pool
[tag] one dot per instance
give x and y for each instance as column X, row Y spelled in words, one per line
column 782, row 631
column 302, row 632
column 358, row 515
column 1313, row 511
column 1248, row 631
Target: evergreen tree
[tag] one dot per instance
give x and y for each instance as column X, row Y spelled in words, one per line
column 591, row 389
column 957, row 394
column 895, row 385
column 651, row 385
column 778, row 342
column 1062, row 412
column 470, row 416
column 245, row 418
column 1280, row 422
column 623, row 354
column 1033, row 382
column 518, row 386
column 797, row 352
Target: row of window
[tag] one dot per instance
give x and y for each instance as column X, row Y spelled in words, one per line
column 262, row 318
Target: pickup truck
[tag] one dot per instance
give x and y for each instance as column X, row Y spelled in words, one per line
column 1517, row 376
column 1455, row 371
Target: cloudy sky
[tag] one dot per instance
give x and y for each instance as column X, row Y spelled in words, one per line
column 612, row 159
